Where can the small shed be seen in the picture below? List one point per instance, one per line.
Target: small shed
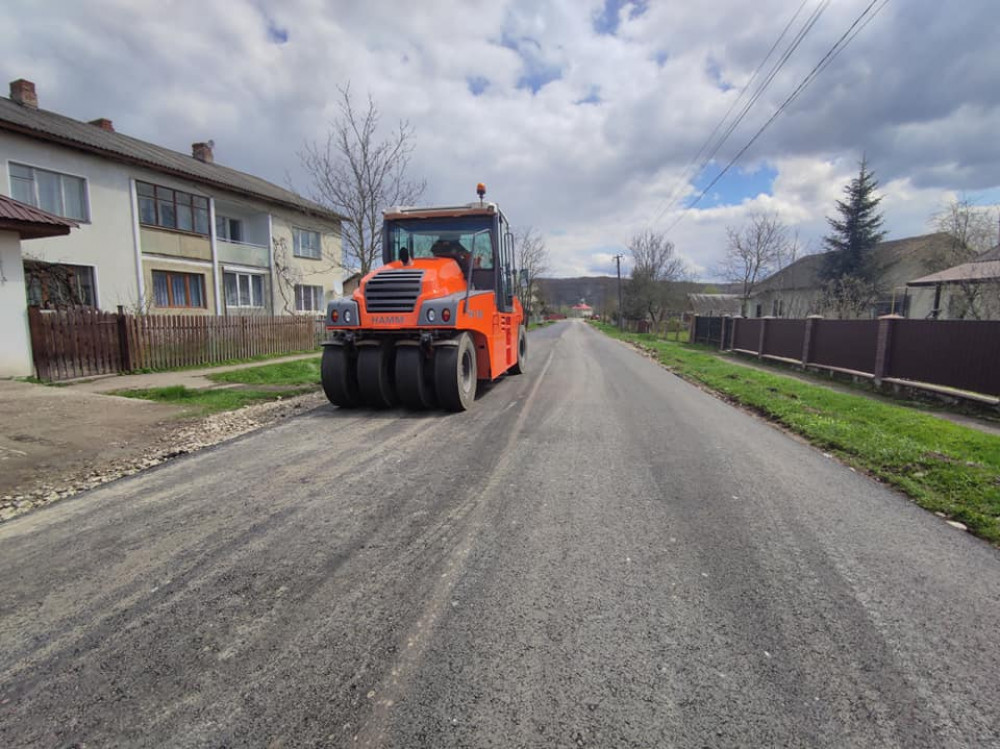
(19, 222)
(714, 305)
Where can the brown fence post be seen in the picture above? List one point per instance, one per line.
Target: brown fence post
(807, 338)
(124, 353)
(39, 348)
(763, 336)
(885, 325)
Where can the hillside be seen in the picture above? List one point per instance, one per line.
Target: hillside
(601, 292)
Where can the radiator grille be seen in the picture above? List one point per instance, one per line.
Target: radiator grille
(393, 290)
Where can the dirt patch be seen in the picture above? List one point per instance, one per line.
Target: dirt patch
(57, 442)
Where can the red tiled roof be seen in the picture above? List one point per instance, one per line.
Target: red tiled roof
(31, 222)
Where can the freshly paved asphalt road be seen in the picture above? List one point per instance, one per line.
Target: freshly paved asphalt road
(598, 554)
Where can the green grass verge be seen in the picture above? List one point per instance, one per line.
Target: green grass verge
(226, 363)
(201, 402)
(299, 372)
(943, 466)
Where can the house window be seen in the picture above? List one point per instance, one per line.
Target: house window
(56, 193)
(57, 285)
(229, 229)
(308, 298)
(307, 244)
(244, 290)
(172, 289)
(172, 209)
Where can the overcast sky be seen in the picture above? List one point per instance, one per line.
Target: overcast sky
(580, 116)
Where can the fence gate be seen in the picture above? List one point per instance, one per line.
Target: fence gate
(74, 343)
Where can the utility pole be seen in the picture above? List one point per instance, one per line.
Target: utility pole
(621, 312)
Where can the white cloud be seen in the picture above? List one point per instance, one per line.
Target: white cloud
(586, 175)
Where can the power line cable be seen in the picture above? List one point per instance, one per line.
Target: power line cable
(686, 175)
(718, 126)
(853, 30)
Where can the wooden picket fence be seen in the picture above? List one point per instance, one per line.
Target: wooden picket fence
(67, 344)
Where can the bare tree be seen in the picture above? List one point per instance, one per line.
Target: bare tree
(357, 174)
(532, 259)
(971, 230)
(849, 297)
(654, 264)
(756, 250)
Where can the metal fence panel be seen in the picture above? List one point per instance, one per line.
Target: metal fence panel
(962, 354)
(784, 338)
(845, 344)
(747, 334)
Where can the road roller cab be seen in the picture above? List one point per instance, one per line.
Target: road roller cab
(438, 316)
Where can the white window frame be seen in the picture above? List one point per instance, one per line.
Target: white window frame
(313, 253)
(227, 222)
(254, 303)
(62, 189)
(317, 298)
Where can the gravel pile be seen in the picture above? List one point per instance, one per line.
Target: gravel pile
(172, 440)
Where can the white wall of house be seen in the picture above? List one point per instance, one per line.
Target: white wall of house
(15, 343)
(325, 272)
(105, 242)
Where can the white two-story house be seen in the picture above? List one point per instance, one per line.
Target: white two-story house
(160, 231)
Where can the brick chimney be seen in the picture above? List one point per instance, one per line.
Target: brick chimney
(104, 123)
(23, 92)
(203, 152)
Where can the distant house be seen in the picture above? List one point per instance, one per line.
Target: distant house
(714, 305)
(161, 231)
(969, 290)
(19, 222)
(796, 290)
(582, 310)
(351, 284)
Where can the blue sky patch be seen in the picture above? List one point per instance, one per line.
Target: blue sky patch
(477, 84)
(594, 97)
(714, 71)
(607, 19)
(738, 185)
(537, 76)
(275, 33)
(537, 71)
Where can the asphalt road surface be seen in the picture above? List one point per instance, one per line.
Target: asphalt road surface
(597, 554)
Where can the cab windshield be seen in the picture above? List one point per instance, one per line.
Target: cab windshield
(460, 239)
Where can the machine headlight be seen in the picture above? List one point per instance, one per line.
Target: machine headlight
(347, 316)
(430, 315)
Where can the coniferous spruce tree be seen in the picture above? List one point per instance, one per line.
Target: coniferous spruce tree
(856, 232)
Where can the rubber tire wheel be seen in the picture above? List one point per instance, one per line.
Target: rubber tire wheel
(521, 365)
(375, 375)
(339, 374)
(412, 383)
(455, 374)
